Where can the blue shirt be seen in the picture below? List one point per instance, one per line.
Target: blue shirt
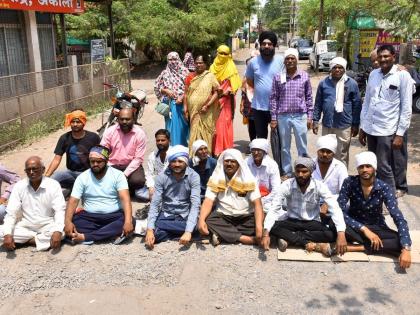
(176, 198)
(205, 175)
(325, 105)
(100, 196)
(369, 211)
(262, 73)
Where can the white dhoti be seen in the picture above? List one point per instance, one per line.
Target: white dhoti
(24, 231)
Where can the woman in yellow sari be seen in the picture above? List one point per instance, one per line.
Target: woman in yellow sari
(227, 75)
(200, 103)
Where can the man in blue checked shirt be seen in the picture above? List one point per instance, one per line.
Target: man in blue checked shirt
(176, 202)
(364, 218)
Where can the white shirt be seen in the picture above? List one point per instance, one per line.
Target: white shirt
(230, 203)
(305, 206)
(267, 175)
(38, 208)
(336, 174)
(387, 107)
(154, 167)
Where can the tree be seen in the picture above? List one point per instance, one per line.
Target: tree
(276, 15)
(159, 26)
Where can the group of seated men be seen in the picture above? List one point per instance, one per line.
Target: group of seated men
(229, 200)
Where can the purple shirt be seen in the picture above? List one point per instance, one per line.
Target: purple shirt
(10, 178)
(293, 96)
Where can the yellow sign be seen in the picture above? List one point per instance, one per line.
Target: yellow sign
(368, 41)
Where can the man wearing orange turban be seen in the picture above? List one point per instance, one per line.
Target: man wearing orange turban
(76, 143)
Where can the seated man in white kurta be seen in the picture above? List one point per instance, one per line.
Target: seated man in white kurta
(40, 203)
(266, 171)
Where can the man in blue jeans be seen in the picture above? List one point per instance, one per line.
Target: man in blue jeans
(259, 75)
(291, 108)
(176, 202)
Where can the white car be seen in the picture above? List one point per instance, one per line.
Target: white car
(326, 50)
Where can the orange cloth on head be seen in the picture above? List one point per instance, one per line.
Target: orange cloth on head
(77, 114)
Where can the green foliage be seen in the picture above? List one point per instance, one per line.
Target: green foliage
(405, 16)
(276, 15)
(164, 25)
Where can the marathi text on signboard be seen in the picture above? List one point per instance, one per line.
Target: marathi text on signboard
(371, 39)
(97, 50)
(52, 6)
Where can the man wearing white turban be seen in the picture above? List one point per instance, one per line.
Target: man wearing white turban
(338, 102)
(291, 108)
(266, 171)
(328, 169)
(176, 202)
(238, 214)
(202, 163)
(364, 217)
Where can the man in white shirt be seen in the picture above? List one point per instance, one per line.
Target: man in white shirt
(157, 159)
(386, 114)
(328, 169)
(238, 214)
(303, 226)
(266, 171)
(40, 203)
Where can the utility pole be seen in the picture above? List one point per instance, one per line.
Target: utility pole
(111, 28)
(321, 20)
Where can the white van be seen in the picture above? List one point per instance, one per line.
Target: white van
(327, 50)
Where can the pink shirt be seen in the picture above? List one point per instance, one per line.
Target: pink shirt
(126, 148)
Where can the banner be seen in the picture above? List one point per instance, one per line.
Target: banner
(52, 6)
(368, 41)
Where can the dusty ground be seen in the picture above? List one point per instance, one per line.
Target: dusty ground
(229, 279)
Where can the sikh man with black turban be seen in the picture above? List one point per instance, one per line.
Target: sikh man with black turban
(259, 75)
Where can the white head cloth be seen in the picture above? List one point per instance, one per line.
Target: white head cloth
(339, 88)
(291, 51)
(328, 142)
(260, 143)
(178, 152)
(366, 158)
(197, 144)
(242, 182)
(288, 52)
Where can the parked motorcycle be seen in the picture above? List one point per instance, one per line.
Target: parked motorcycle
(361, 77)
(136, 100)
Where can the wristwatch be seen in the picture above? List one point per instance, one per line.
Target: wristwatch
(407, 247)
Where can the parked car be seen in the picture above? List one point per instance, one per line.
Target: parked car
(304, 47)
(293, 41)
(326, 50)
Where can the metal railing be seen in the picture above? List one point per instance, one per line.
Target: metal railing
(28, 98)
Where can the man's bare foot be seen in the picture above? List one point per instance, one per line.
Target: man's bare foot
(78, 237)
(31, 242)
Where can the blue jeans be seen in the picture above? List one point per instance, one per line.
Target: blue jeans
(287, 122)
(66, 178)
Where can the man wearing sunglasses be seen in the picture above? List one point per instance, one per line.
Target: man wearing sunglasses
(39, 202)
(259, 75)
